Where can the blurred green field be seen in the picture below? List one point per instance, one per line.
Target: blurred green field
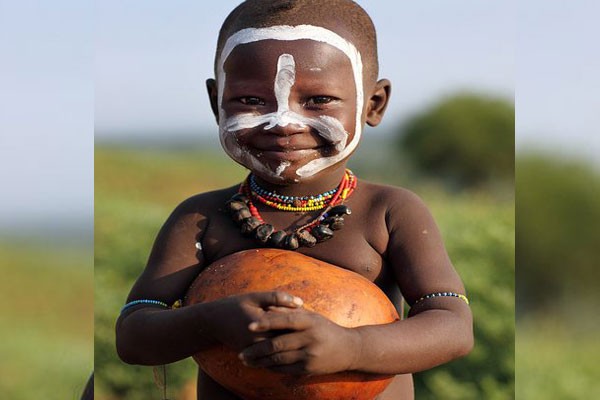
(137, 189)
(555, 361)
(46, 320)
(558, 237)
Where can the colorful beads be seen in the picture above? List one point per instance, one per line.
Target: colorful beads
(290, 203)
(299, 203)
(143, 301)
(246, 215)
(443, 294)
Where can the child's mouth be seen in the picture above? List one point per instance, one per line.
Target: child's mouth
(288, 154)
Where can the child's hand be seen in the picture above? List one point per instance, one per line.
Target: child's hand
(228, 318)
(315, 346)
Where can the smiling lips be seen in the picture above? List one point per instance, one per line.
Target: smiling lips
(285, 148)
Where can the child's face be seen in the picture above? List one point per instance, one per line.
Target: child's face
(288, 108)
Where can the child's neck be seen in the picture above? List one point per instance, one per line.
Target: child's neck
(325, 181)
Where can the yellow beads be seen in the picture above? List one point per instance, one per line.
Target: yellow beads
(287, 207)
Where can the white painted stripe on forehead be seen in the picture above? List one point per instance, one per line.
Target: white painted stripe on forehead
(298, 32)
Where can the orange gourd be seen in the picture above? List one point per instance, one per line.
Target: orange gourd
(343, 296)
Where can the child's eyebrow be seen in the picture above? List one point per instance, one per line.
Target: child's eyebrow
(247, 84)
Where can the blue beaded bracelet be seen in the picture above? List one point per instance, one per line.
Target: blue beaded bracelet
(136, 302)
(443, 294)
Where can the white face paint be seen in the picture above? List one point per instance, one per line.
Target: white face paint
(331, 129)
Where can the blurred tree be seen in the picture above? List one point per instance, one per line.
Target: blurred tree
(558, 234)
(466, 139)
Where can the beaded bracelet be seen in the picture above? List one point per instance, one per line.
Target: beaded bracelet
(136, 302)
(443, 294)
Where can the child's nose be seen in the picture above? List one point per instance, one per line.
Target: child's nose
(289, 129)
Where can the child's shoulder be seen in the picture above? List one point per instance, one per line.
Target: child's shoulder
(390, 197)
(205, 203)
(396, 206)
(195, 211)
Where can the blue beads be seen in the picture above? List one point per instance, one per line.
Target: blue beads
(143, 301)
(288, 199)
(443, 294)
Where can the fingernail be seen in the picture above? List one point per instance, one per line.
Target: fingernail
(253, 326)
(298, 301)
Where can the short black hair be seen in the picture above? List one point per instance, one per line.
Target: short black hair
(344, 17)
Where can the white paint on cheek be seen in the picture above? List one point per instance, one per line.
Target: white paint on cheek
(332, 130)
(245, 121)
(282, 167)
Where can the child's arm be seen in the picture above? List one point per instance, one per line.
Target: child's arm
(151, 335)
(438, 330)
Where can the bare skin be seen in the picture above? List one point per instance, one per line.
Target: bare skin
(390, 238)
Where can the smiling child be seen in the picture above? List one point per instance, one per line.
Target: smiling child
(295, 83)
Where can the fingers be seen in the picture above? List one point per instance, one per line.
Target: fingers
(282, 321)
(298, 368)
(287, 361)
(280, 309)
(281, 351)
(277, 299)
(285, 354)
(276, 345)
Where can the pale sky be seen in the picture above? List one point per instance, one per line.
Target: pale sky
(138, 67)
(151, 63)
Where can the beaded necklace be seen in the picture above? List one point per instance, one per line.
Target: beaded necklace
(246, 215)
(290, 203)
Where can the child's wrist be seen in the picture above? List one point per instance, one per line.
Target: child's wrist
(355, 347)
(202, 316)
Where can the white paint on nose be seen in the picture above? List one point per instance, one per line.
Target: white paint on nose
(284, 80)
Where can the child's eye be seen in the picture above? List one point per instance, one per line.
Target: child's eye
(319, 101)
(252, 101)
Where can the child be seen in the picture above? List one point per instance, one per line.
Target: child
(296, 81)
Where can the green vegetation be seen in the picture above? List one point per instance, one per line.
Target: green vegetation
(466, 139)
(557, 241)
(46, 315)
(558, 232)
(555, 361)
(136, 190)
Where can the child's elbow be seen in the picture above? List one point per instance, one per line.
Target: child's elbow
(126, 345)
(464, 345)
(129, 354)
(124, 351)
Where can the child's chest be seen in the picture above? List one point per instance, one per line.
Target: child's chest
(350, 247)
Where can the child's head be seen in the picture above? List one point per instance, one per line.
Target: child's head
(296, 81)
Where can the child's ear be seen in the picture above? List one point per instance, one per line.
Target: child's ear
(211, 87)
(378, 102)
